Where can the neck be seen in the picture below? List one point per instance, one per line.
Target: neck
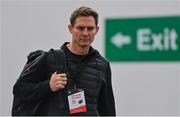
(78, 49)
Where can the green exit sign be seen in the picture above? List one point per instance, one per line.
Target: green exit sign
(143, 39)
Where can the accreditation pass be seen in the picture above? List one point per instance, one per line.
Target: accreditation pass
(76, 100)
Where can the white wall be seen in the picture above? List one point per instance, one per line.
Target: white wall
(140, 88)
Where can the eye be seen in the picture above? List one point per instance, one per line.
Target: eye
(90, 28)
(80, 28)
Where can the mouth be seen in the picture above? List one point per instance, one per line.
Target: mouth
(85, 39)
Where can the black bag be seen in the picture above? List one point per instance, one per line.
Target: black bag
(36, 58)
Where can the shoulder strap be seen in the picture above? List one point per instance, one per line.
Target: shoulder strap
(59, 60)
(61, 65)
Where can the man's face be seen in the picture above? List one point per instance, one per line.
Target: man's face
(83, 31)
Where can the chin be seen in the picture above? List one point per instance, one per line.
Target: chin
(85, 44)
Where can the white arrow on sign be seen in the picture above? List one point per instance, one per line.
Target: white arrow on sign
(119, 40)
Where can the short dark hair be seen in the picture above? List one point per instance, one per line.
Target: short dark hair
(83, 11)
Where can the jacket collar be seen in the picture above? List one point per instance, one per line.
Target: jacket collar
(92, 52)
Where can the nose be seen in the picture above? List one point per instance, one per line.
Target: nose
(85, 32)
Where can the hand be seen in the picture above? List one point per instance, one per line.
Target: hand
(57, 81)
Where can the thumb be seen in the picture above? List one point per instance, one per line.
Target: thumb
(54, 73)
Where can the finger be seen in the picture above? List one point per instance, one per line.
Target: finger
(61, 86)
(63, 82)
(57, 75)
(53, 76)
(59, 79)
(56, 79)
(64, 79)
(54, 73)
(63, 75)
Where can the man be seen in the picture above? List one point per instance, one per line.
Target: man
(85, 88)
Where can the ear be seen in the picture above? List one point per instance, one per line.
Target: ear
(70, 28)
(97, 29)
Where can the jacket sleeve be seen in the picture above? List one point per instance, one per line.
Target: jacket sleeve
(106, 103)
(32, 84)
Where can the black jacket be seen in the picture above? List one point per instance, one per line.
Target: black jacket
(91, 73)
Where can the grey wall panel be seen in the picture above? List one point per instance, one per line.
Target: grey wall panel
(0, 57)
